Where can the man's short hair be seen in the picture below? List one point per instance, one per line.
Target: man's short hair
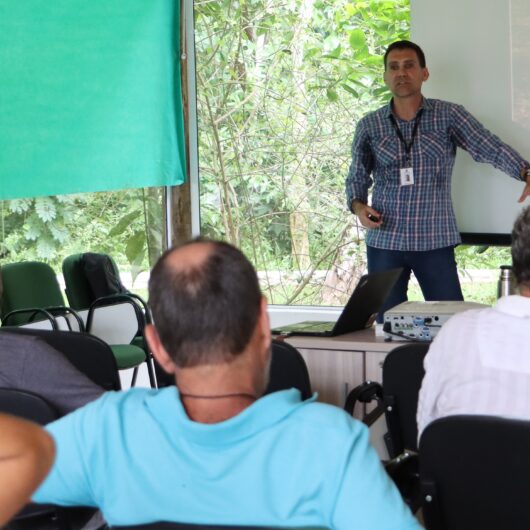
(205, 313)
(406, 45)
(521, 248)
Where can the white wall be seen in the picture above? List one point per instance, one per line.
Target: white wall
(478, 54)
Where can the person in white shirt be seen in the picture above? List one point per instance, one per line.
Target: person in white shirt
(479, 363)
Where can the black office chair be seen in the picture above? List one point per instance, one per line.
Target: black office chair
(92, 281)
(27, 405)
(288, 370)
(87, 353)
(397, 398)
(32, 407)
(474, 473)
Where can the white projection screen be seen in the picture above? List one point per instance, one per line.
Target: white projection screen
(478, 55)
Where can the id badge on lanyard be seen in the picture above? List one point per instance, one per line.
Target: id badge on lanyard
(406, 176)
(406, 173)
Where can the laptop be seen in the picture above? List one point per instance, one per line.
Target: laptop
(360, 311)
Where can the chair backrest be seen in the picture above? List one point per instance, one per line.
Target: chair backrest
(27, 405)
(474, 473)
(288, 370)
(29, 284)
(76, 284)
(80, 289)
(87, 353)
(402, 376)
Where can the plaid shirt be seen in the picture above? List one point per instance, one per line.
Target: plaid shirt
(419, 216)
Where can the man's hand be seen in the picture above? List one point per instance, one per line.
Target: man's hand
(363, 211)
(526, 191)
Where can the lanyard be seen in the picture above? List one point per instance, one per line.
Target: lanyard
(407, 145)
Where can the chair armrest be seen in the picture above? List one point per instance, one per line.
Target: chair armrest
(115, 299)
(64, 311)
(404, 472)
(35, 311)
(143, 305)
(365, 393)
(116, 319)
(430, 503)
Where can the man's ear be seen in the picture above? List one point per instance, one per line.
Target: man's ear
(158, 350)
(425, 74)
(264, 323)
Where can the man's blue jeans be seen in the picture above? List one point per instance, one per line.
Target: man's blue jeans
(435, 271)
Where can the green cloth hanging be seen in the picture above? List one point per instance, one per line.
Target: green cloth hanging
(90, 96)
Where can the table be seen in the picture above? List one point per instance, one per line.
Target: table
(338, 364)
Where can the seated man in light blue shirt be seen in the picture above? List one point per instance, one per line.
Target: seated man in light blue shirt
(212, 450)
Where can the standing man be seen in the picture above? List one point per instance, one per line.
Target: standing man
(407, 150)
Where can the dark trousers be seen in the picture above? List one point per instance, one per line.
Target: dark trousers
(435, 271)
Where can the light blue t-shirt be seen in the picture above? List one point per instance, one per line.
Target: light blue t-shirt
(281, 462)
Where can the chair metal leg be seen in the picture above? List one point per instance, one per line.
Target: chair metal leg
(151, 371)
(135, 376)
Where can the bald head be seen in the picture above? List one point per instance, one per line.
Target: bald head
(205, 299)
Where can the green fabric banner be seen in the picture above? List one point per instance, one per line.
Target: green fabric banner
(90, 96)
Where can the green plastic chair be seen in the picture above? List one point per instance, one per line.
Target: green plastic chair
(81, 297)
(31, 292)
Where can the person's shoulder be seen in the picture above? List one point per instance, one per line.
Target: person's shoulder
(124, 403)
(464, 322)
(126, 400)
(440, 103)
(468, 316)
(452, 109)
(327, 419)
(107, 417)
(443, 106)
(374, 115)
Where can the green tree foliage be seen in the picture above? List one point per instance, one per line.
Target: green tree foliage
(126, 224)
(281, 85)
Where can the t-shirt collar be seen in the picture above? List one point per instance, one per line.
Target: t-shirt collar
(168, 411)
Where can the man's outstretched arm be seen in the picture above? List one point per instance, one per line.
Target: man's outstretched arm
(525, 175)
(26, 455)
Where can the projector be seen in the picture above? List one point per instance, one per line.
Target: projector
(421, 321)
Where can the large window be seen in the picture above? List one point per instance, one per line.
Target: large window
(127, 224)
(281, 85)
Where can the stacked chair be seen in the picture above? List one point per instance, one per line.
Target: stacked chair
(32, 298)
(92, 283)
